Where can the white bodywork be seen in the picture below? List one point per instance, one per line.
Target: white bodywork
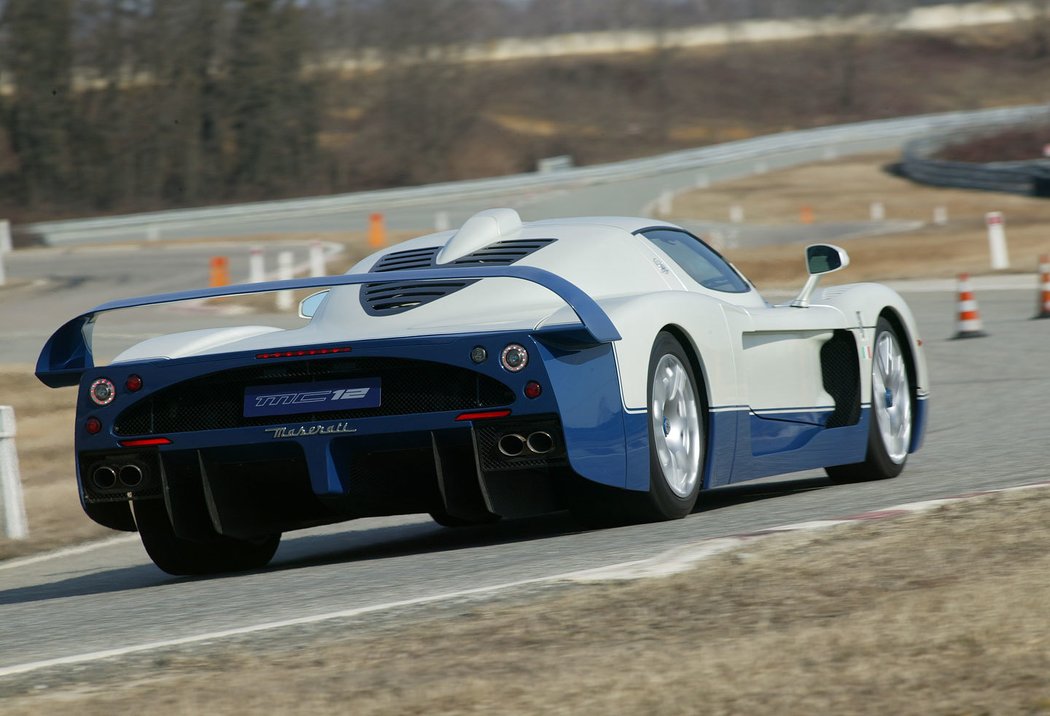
(753, 354)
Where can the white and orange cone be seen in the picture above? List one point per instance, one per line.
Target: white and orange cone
(1043, 309)
(968, 324)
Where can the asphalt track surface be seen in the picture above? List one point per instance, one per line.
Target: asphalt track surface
(49, 286)
(989, 429)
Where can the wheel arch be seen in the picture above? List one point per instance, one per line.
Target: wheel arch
(914, 364)
(695, 361)
(697, 364)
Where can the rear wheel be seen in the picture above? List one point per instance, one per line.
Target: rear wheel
(179, 556)
(889, 434)
(676, 434)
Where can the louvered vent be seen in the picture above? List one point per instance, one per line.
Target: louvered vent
(387, 299)
(407, 260)
(502, 253)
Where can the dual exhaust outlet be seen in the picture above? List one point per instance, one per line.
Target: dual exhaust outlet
(515, 445)
(107, 477)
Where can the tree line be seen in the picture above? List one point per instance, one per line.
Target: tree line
(120, 105)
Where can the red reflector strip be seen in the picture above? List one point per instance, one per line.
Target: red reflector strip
(305, 352)
(486, 415)
(145, 442)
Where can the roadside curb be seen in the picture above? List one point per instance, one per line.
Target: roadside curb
(681, 559)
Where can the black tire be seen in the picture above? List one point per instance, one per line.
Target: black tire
(673, 487)
(878, 463)
(181, 557)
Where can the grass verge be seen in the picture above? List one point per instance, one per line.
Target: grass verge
(910, 615)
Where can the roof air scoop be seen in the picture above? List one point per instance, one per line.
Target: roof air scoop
(484, 228)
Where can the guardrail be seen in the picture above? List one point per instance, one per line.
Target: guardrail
(845, 139)
(1031, 178)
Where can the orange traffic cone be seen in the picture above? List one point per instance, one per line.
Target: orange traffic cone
(968, 324)
(1043, 309)
(220, 272)
(376, 231)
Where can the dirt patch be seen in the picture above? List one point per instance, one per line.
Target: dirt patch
(910, 615)
(843, 191)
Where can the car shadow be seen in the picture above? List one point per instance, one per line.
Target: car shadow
(390, 542)
(730, 495)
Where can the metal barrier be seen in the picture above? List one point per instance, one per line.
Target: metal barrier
(1031, 178)
(845, 139)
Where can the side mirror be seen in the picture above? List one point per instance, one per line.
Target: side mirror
(820, 259)
(309, 305)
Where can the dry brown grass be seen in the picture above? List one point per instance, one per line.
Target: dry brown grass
(909, 616)
(842, 191)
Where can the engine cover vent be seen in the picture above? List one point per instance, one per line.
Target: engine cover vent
(387, 299)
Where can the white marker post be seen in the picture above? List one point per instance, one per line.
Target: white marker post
(317, 267)
(5, 247)
(12, 507)
(665, 203)
(997, 240)
(285, 299)
(441, 221)
(878, 211)
(940, 215)
(736, 214)
(153, 234)
(256, 265)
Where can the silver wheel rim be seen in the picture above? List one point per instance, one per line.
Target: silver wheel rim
(676, 425)
(891, 397)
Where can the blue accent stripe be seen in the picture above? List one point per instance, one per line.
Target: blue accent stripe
(67, 353)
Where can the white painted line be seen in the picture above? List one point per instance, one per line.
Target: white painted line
(267, 626)
(68, 552)
(672, 561)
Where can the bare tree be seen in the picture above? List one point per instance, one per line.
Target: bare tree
(38, 56)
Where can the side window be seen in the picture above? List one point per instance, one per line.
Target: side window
(703, 264)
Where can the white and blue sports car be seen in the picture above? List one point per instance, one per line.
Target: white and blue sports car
(613, 366)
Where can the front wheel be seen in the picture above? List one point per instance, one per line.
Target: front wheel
(179, 556)
(889, 434)
(676, 434)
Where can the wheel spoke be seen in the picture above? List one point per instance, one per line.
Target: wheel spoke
(676, 425)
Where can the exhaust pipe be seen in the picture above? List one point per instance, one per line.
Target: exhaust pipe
(540, 442)
(511, 445)
(130, 475)
(104, 477)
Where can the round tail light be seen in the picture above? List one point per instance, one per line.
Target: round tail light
(102, 391)
(514, 357)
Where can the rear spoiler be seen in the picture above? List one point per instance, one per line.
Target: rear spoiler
(67, 353)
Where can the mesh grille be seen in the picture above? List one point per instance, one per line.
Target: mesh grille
(215, 401)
